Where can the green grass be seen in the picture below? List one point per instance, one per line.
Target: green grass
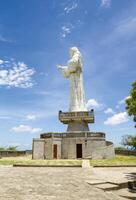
(26, 160)
(29, 161)
(118, 160)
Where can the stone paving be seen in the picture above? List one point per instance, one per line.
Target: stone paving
(57, 183)
(86, 164)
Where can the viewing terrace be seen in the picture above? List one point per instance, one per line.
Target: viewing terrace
(86, 116)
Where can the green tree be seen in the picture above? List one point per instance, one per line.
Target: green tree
(120, 148)
(131, 102)
(129, 141)
(12, 148)
(2, 149)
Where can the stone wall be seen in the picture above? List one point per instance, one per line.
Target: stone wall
(38, 149)
(12, 153)
(48, 148)
(125, 152)
(94, 146)
(106, 152)
(88, 146)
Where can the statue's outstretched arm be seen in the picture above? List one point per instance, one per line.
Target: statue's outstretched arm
(61, 67)
(64, 70)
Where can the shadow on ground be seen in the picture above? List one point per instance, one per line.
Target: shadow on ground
(131, 176)
(132, 198)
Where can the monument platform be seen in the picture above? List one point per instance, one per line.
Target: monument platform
(67, 117)
(93, 135)
(72, 145)
(77, 121)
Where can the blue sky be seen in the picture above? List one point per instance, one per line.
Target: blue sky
(35, 36)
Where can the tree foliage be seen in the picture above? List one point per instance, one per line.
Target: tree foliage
(2, 149)
(129, 141)
(131, 102)
(120, 148)
(10, 148)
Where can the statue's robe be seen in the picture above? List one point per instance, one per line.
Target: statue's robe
(74, 72)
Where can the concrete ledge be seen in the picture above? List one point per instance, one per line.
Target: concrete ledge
(114, 165)
(32, 165)
(72, 134)
(67, 117)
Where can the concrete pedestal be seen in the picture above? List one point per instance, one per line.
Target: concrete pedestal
(72, 145)
(77, 126)
(77, 121)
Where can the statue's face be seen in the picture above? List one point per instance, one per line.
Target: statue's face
(72, 51)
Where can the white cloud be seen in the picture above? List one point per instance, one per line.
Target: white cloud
(44, 93)
(105, 3)
(127, 97)
(69, 9)
(1, 62)
(124, 28)
(109, 110)
(19, 75)
(44, 74)
(3, 39)
(65, 31)
(92, 103)
(25, 129)
(4, 117)
(30, 117)
(123, 100)
(118, 118)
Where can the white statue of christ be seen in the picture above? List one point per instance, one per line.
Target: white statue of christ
(73, 71)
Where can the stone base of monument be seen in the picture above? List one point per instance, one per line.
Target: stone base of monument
(77, 143)
(72, 145)
(77, 121)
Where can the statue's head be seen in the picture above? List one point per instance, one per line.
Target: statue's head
(73, 50)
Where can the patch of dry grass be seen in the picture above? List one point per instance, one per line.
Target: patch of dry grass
(118, 160)
(27, 160)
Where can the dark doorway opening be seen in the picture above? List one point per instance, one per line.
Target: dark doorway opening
(79, 150)
(55, 151)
